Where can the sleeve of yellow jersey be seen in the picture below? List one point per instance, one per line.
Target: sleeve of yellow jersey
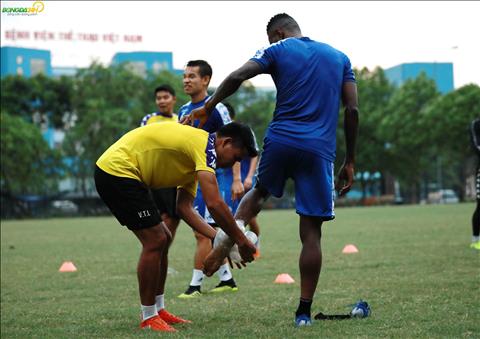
(205, 159)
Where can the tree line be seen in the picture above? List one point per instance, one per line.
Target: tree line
(411, 133)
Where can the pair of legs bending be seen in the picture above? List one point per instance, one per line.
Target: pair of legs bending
(314, 192)
(131, 203)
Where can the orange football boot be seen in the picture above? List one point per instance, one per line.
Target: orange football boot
(170, 318)
(157, 324)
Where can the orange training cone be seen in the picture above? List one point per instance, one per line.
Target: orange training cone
(67, 266)
(284, 278)
(350, 249)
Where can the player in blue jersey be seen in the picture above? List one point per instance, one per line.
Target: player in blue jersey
(311, 78)
(196, 78)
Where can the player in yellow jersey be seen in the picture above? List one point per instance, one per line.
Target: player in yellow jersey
(165, 100)
(169, 155)
(165, 198)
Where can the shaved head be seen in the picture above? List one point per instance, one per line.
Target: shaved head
(283, 21)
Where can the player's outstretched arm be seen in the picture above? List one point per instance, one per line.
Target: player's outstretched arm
(186, 211)
(226, 88)
(232, 82)
(350, 125)
(222, 215)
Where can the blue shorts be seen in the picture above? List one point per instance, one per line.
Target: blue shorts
(312, 174)
(224, 184)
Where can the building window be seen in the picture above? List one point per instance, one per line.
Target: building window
(19, 71)
(138, 68)
(159, 66)
(19, 60)
(37, 66)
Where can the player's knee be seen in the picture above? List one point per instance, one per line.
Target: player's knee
(261, 191)
(158, 242)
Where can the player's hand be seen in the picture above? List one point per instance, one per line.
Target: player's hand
(200, 114)
(247, 250)
(237, 190)
(185, 120)
(239, 265)
(345, 179)
(247, 184)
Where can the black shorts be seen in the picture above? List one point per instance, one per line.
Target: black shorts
(129, 200)
(166, 201)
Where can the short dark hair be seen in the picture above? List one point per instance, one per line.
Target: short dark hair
(241, 135)
(203, 66)
(164, 88)
(282, 20)
(231, 110)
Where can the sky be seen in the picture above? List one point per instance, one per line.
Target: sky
(228, 33)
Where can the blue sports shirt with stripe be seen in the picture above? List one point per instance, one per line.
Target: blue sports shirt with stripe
(308, 76)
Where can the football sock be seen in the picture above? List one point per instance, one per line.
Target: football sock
(304, 307)
(475, 238)
(197, 278)
(224, 273)
(149, 311)
(160, 302)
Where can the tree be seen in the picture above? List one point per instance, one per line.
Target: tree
(450, 117)
(374, 93)
(17, 96)
(28, 165)
(91, 136)
(405, 129)
(108, 102)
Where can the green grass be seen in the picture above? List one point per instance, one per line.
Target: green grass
(414, 267)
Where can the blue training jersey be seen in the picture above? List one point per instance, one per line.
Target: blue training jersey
(308, 76)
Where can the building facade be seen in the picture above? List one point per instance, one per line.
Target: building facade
(26, 62)
(141, 63)
(440, 72)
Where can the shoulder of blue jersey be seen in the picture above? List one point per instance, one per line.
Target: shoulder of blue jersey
(259, 54)
(223, 112)
(184, 110)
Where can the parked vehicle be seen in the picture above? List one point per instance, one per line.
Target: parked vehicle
(445, 196)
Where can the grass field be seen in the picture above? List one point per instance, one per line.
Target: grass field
(414, 267)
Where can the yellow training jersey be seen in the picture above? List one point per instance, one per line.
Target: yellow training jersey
(162, 155)
(157, 117)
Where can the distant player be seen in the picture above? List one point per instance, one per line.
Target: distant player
(311, 79)
(248, 169)
(169, 155)
(196, 78)
(475, 135)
